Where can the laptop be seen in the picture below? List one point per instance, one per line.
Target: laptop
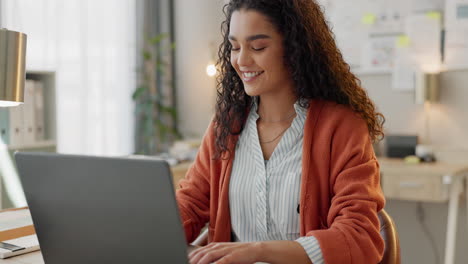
(102, 210)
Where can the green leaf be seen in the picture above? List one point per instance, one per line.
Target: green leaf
(147, 55)
(161, 68)
(169, 110)
(139, 92)
(156, 39)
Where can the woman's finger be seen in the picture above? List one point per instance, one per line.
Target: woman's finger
(198, 254)
(227, 259)
(214, 255)
(200, 249)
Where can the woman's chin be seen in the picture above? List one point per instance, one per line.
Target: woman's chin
(252, 91)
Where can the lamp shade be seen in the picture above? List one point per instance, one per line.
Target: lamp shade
(427, 88)
(12, 64)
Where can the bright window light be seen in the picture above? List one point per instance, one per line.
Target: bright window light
(10, 178)
(8, 103)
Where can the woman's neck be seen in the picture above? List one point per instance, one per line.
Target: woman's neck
(276, 108)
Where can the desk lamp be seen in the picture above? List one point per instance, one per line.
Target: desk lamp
(427, 88)
(12, 64)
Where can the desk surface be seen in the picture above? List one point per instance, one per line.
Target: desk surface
(444, 168)
(36, 258)
(29, 258)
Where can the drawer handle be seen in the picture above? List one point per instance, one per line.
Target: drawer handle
(411, 185)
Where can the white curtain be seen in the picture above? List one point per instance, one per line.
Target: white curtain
(90, 45)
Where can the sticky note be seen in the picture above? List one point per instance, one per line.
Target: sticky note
(368, 19)
(403, 41)
(434, 15)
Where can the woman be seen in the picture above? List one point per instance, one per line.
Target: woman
(286, 172)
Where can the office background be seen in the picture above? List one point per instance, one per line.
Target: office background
(93, 49)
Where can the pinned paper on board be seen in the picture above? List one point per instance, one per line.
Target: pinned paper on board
(417, 25)
(349, 31)
(389, 16)
(404, 71)
(424, 31)
(379, 53)
(418, 6)
(456, 13)
(456, 36)
(462, 11)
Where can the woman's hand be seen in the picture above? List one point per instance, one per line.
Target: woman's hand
(274, 252)
(226, 253)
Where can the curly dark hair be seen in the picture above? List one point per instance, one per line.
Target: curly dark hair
(316, 64)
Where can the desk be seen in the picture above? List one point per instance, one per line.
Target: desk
(29, 258)
(179, 171)
(35, 258)
(432, 182)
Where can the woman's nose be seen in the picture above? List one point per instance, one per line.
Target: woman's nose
(244, 58)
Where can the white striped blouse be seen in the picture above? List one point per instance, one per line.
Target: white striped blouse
(264, 195)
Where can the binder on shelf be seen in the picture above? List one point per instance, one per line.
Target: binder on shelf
(29, 136)
(24, 126)
(4, 125)
(39, 111)
(16, 125)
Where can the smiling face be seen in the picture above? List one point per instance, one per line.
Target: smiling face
(257, 54)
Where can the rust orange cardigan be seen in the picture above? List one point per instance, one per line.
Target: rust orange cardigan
(340, 188)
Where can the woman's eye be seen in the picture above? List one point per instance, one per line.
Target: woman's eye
(258, 49)
(235, 49)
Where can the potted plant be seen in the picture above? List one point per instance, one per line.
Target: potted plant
(156, 115)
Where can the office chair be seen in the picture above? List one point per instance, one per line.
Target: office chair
(390, 236)
(387, 231)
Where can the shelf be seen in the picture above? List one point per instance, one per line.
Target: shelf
(40, 71)
(41, 144)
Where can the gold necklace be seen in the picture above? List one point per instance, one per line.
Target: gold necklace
(281, 120)
(269, 141)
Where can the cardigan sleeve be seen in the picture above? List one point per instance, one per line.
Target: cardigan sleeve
(312, 248)
(356, 197)
(193, 196)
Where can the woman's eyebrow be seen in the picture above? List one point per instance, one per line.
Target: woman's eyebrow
(251, 38)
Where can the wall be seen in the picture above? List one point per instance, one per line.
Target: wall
(447, 118)
(448, 128)
(197, 36)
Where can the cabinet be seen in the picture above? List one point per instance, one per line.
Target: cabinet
(432, 182)
(415, 182)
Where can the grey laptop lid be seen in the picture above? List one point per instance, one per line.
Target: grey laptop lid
(102, 210)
